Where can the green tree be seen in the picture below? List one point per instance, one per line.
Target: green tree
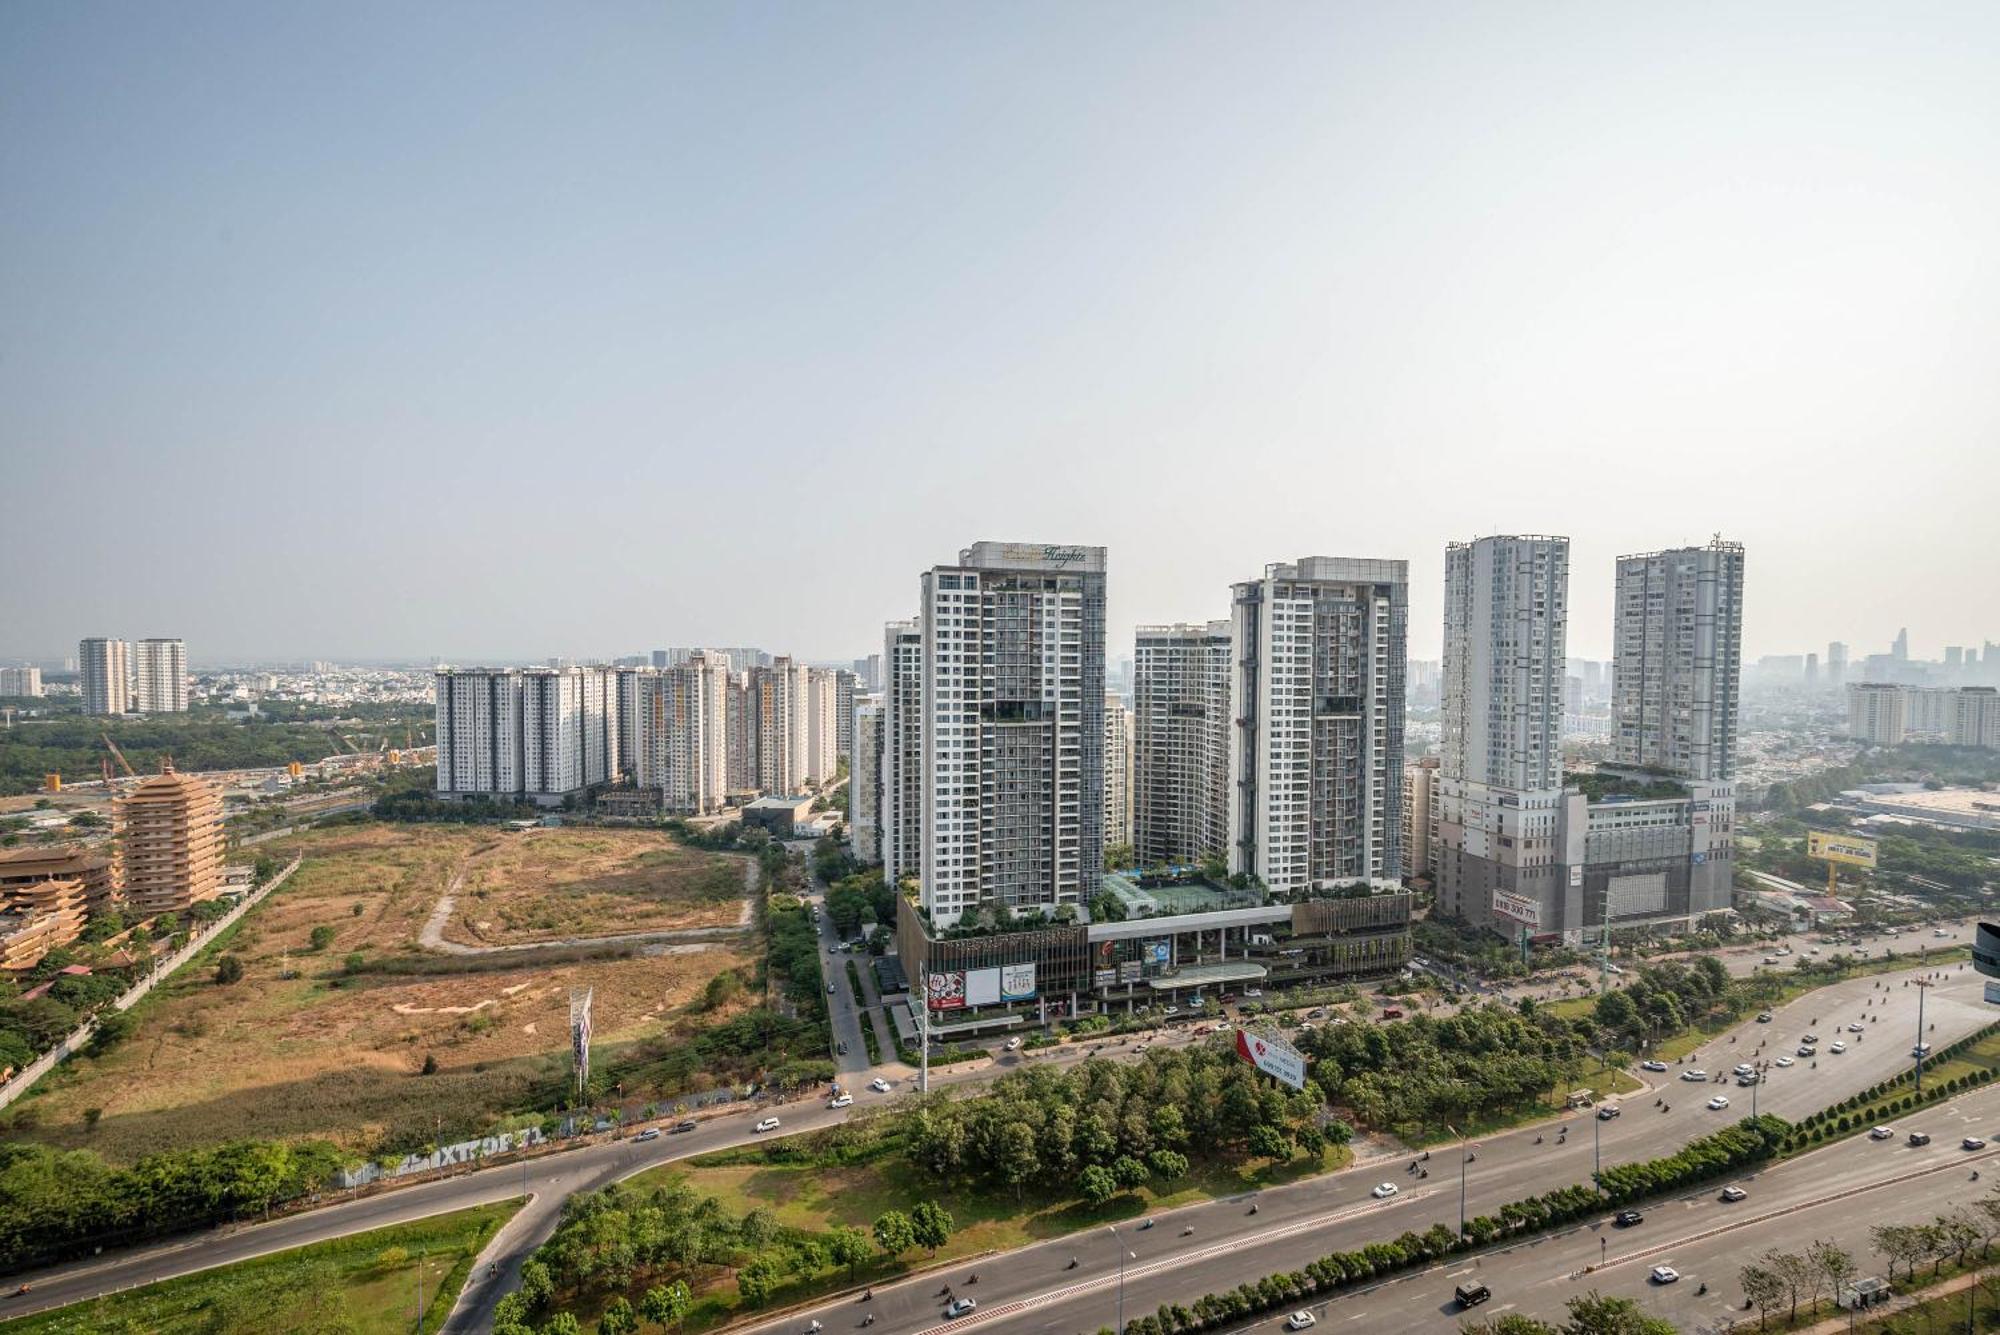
(1513, 1323)
(537, 1285)
(930, 1225)
(1168, 1165)
(1270, 1142)
(562, 1323)
(1763, 1288)
(321, 937)
(1129, 1172)
(756, 1280)
(1834, 1264)
(1018, 1160)
(849, 1246)
(1594, 1314)
(665, 1304)
(618, 1318)
(1097, 1184)
(228, 969)
(894, 1233)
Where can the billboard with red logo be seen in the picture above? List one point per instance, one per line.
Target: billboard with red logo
(1273, 1056)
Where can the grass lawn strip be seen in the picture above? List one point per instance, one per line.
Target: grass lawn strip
(364, 1282)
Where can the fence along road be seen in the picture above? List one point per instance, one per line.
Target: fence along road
(77, 1039)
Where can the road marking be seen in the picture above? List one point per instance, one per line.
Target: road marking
(1767, 1216)
(1174, 1262)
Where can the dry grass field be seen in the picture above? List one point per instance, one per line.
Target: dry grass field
(322, 1053)
(555, 884)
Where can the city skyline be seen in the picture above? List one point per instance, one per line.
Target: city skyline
(1155, 261)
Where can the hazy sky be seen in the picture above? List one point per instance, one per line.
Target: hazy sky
(514, 330)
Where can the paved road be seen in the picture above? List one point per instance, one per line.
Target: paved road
(844, 1009)
(1506, 1169)
(1837, 1193)
(1033, 1290)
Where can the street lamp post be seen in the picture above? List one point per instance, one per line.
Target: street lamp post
(1596, 1148)
(1119, 1329)
(1922, 987)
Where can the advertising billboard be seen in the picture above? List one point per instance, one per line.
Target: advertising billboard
(1273, 1056)
(982, 987)
(1017, 982)
(1159, 952)
(1851, 850)
(1519, 908)
(947, 990)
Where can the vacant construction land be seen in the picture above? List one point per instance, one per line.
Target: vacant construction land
(555, 884)
(307, 1043)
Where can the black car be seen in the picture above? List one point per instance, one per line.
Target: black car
(679, 1127)
(1627, 1218)
(1471, 1294)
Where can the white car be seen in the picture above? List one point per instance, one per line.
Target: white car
(1733, 1193)
(1665, 1274)
(1744, 1068)
(1718, 1103)
(1253, 993)
(1784, 1061)
(1837, 1046)
(1013, 1045)
(768, 1124)
(1300, 1320)
(879, 1085)
(1881, 1133)
(1384, 1192)
(1770, 959)
(960, 1306)
(1694, 1075)
(1653, 1066)
(841, 1101)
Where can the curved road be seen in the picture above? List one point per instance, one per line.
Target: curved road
(1506, 1168)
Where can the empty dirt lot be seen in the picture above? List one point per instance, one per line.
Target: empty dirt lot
(556, 884)
(302, 1047)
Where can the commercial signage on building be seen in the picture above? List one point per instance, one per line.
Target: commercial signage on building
(1130, 971)
(1159, 952)
(1518, 908)
(947, 990)
(1055, 556)
(1017, 982)
(1851, 849)
(1105, 977)
(1273, 1056)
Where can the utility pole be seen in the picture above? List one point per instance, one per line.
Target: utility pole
(1597, 1149)
(923, 1016)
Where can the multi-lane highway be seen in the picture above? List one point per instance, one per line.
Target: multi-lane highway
(1506, 1168)
(1220, 1244)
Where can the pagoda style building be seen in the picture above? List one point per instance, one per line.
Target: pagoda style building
(171, 829)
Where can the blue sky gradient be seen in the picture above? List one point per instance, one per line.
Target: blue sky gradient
(514, 330)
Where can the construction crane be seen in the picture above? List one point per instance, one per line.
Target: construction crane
(123, 763)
